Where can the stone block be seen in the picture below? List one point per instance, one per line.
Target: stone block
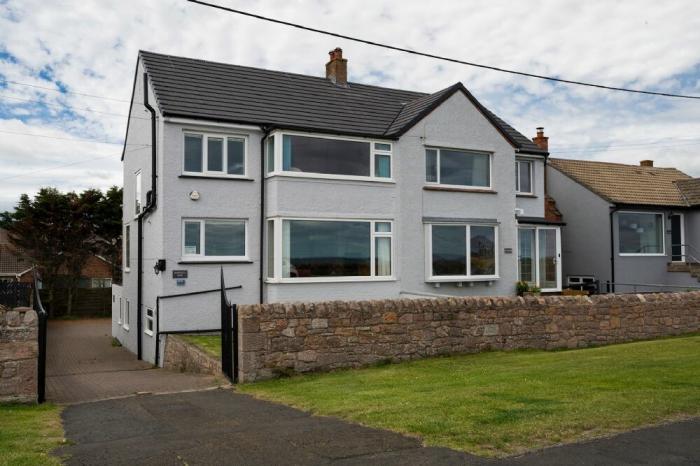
(319, 323)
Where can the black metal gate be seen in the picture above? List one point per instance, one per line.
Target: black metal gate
(229, 335)
(43, 317)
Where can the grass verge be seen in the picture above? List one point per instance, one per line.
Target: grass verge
(29, 433)
(505, 403)
(210, 344)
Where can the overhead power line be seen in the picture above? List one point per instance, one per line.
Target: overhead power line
(70, 108)
(440, 57)
(66, 91)
(96, 141)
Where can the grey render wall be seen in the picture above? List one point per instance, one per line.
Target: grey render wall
(585, 237)
(533, 206)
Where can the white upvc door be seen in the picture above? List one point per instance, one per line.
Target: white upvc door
(539, 254)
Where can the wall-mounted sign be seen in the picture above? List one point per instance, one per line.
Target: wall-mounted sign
(179, 273)
(508, 251)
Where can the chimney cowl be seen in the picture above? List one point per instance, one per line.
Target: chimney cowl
(337, 68)
(646, 163)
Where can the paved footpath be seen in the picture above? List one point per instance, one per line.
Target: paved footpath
(221, 427)
(82, 365)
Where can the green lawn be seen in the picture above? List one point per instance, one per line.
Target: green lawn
(503, 403)
(29, 433)
(210, 344)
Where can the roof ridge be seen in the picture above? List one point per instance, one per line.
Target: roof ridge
(601, 162)
(320, 78)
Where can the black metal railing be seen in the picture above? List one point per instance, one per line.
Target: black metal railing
(15, 294)
(229, 335)
(43, 317)
(612, 287)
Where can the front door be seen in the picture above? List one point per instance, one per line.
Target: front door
(677, 238)
(539, 253)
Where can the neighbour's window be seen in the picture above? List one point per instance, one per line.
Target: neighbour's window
(270, 148)
(463, 251)
(342, 157)
(100, 282)
(336, 248)
(270, 249)
(458, 168)
(127, 247)
(137, 194)
(127, 316)
(214, 238)
(215, 154)
(641, 233)
(148, 330)
(523, 176)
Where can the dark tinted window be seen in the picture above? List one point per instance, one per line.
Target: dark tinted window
(327, 156)
(449, 250)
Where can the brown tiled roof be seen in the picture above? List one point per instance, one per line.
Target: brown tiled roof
(690, 189)
(12, 261)
(626, 184)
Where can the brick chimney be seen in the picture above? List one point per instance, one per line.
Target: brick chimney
(646, 163)
(541, 140)
(337, 68)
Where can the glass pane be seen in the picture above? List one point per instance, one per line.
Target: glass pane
(236, 156)
(524, 169)
(270, 248)
(382, 166)
(327, 156)
(382, 227)
(193, 153)
(641, 233)
(464, 168)
(192, 238)
(483, 250)
(526, 255)
(270, 154)
(222, 238)
(548, 258)
(431, 166)
(215, 155)
(127, 247)
(449, 250)
(382, 251)
(382, 146)
(325, 248)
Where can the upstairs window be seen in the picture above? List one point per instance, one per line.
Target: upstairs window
(458, 168)
(523, 177)
(641, 233)
(215, 155)
(127, 247)
(330, 157)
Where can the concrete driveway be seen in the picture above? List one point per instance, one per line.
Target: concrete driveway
(221, 427)
(82, 365)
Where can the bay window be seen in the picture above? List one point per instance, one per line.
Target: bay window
(458, 168)
(523, 177)
(327, 250)
(641, 233)
(317, 156)
(461, 251)
(215, 155)
(214, 239)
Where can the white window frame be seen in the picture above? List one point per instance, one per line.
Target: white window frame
(202, 225)
(430, 278)
(456, 186)
(127, 316)
(121, 311)
(127, 248)
(531, 174)
(278, 240)
(642, 254)
(205, 154)
(279, 148)
(137, 193)
(148, 319)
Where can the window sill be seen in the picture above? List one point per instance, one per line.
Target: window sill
(125, 327)
(532, 196)
(321, 176)
(489, 278)
(214, 261)
(329, 280)
(217, 177)
(622, 254)
(148, 332)
(459, 190)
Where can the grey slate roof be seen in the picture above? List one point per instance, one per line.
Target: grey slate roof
(192, 88)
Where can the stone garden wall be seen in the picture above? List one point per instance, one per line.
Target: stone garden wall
(278, 339)
(182, 356)
(19, 349)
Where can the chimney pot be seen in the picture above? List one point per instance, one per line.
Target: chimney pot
(646, 163)
(541, 140)
(337, 68)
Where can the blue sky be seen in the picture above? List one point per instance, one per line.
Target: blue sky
(69, 51)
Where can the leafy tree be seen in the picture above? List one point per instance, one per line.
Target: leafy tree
(108, 228)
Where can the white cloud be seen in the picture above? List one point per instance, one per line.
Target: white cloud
(91, 47)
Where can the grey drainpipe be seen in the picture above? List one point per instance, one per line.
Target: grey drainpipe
(150, 206)
(612, 249)
(266, 129)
